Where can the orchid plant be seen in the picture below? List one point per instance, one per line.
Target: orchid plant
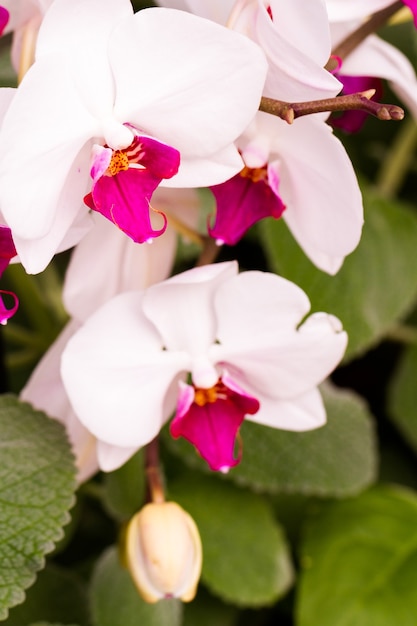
(207, 230)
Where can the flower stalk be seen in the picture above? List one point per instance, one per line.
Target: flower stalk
(289, 111)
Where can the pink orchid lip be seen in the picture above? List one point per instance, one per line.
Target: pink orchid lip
(4, 18)
(242, 201)
(412, 5)
(7, 252)
(210, 419)
(5, 313)
(124, 181)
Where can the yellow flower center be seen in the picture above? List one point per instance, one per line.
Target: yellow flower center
(256, 174)
(119, 161)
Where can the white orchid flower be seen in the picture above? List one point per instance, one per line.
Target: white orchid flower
(210, 346)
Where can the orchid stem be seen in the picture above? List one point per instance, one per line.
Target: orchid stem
(153, 472)
(209, 252)
(402, 334)
(361, 101)
(184, 230)
(377, 20)
(397, 163)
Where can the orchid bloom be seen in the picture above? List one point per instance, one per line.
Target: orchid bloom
(122, 96)
(301, 172)
(211, 346)
(372, 60)
(116, 264)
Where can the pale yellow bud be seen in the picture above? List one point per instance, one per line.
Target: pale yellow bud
(163, 552)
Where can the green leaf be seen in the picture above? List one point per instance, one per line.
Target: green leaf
(115, 601)
(245, 555)
(377, 284)
(48, 624)
(360, 562)
(124, 489)
(337, 460)
(206, 610)
(37, 483)
(402, 397)
(57, 596)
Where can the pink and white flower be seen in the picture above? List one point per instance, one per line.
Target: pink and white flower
(145, 100)
(7, 252)
(210, 346)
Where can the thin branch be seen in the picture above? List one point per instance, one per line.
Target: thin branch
(153, 472)
(376, 20)
(289, 111)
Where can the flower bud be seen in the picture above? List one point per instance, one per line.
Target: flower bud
(163, 552)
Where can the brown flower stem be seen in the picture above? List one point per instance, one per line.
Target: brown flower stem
(352, 41)
(289, 111)
(209, 252)
(153, 472)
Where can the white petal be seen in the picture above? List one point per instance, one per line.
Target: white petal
(182, 307)
(112, 457)
(115, 264)
(296, 63)
(289, 363)
(178, 90)
(81, 30)
(43, 132)
(318, 185)
(203, 172)
(342, 10)
(253, 307)
(122, 399)
(304, 412)
(70, 222)
(376, 57)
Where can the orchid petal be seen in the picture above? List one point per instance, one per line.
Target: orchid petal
(375, 57)
(122, 400)
(241, 202)
(112, 457)
(253, 307)
(203, 172)
(304, 412)
(7, 247)
(82, 32)
(325, 212)
(42, 139)
(125, 266)
(69, 224)
(5, 312)
(4, 18)
(182, 307)
(212, 428)
(125, 200)
(179, 108)
(296, 74)
(288, 364)
(343, 10)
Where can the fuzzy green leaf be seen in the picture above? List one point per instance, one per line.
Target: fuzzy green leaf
(402, 397)
(360, 562)
(245, 555)
(37, 483)
(115, 601)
